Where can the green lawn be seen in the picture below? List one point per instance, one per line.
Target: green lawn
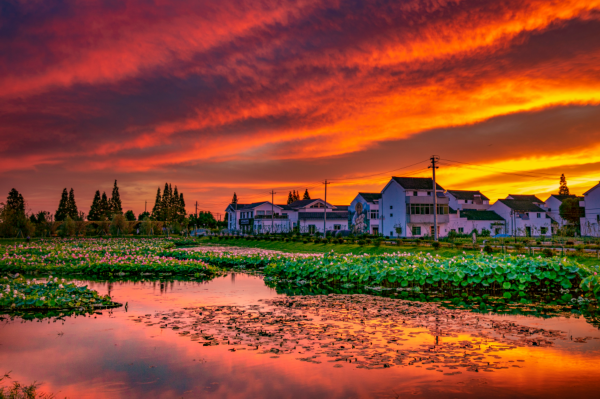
(356, 249)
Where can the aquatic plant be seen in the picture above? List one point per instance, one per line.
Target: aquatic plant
(20, 294)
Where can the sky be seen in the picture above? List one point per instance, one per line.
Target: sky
(249, 97)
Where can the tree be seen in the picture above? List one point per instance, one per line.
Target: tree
(182, 213)
(143, 216)
(571, 211)
(63, 207)
(130, 216)
(290, 198)
(234, 200)
(72, 206)
(563, 190)
(15, 202)
(96, 213)
(166, 203)
(105, 207)
(306, 195)
(115, 201)
(157, 209)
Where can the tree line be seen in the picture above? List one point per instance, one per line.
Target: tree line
(169, 208)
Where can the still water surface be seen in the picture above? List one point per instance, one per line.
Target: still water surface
(110, 356)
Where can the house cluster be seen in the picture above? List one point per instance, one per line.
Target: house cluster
(405, 208)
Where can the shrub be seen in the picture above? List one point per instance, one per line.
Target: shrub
(570, 243)
(377, 243)
(547, 252)
(435, 245)
(368, 240)
(361, 242)
(488, 249)
(305, 241)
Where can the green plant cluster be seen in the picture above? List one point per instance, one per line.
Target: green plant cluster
(514, 274)
(20, 294)
(110, 257)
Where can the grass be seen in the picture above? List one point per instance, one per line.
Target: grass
(356, 249)
(18, 391)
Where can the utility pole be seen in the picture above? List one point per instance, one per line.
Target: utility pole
(434, 159)
(196, 209)
(272, 215)
(145, 206)
(325, 211)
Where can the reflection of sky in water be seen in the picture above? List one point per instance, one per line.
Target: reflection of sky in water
(110, 356)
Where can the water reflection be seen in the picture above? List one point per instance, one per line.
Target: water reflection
(109, 355)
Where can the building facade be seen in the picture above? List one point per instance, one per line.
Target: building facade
(363, 214)
(524, 218)
(590, 221)
(465, 199)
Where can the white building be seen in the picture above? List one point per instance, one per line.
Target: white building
(590, 222)
(363, 213)
(466, 220)
(552, 206)
(465, 199)
(406, 207)
(305, 216)
(523, 217)
(258, 217)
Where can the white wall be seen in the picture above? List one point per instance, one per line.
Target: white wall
(518, 226)
(393, 195)
(590, 226)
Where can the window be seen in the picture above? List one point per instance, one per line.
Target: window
(539, 215)
(375, 214)
(311, 228)
(337, 226)
(429, 193)
(461, 230)
(414, 193)
(544, 230)
(598, 218)
(375, 230)
(260, 213)
(391, 207)
(549, 209)
(391, 215)
(426, 209)
(416, 230)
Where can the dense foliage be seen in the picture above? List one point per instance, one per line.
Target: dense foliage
(99, 257)
(20, 294)
(514, 274)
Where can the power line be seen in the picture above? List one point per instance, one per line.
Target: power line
(382, 173)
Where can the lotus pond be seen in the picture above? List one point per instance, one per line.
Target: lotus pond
(224, 322)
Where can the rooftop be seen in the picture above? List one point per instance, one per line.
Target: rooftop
(472, 214)
(319, 215)
(523, 206)
(467, 194)
(371, 197)
(416, 183)
(525, 197)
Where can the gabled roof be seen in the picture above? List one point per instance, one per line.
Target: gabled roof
(523, 206)
(341, 207)
(319, 215)
(473, 214)
(591, 189)
(467, 194)
(285, 207)
(525, 197)
(304, 203)
(243, 207)
(370, 197)
(561, 198)
(416, 183)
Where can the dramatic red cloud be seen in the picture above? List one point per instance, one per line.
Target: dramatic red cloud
(235, 96)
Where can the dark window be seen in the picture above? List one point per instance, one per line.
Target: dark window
(391, 215)
(414, 193)
(391, 207)
(416, 230)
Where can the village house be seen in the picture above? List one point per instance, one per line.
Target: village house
(590, 221)
(406, 207)
(552, 207)
(363, 213)
(466, 221)
(466, 199)
(259, 216)
(524, 216)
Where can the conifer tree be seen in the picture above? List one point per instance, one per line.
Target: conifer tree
(234, 200)
(166, 203)
(15, 202)
(115, 200)
(63, 207)
(95, 210)
(175, 205)
(296, 196)
(306, 195)
(290, 198)
(563, 190)
(72, 206)
(105, 207)
(157, 209)
(182, 211)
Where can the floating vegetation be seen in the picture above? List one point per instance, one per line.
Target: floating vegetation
(360, 331)
(19, 296)
(106, 257)
(16, 390)
(514, 274)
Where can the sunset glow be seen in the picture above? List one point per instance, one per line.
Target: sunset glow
(250, 97)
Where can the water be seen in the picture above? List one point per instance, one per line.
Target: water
(113, 355)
